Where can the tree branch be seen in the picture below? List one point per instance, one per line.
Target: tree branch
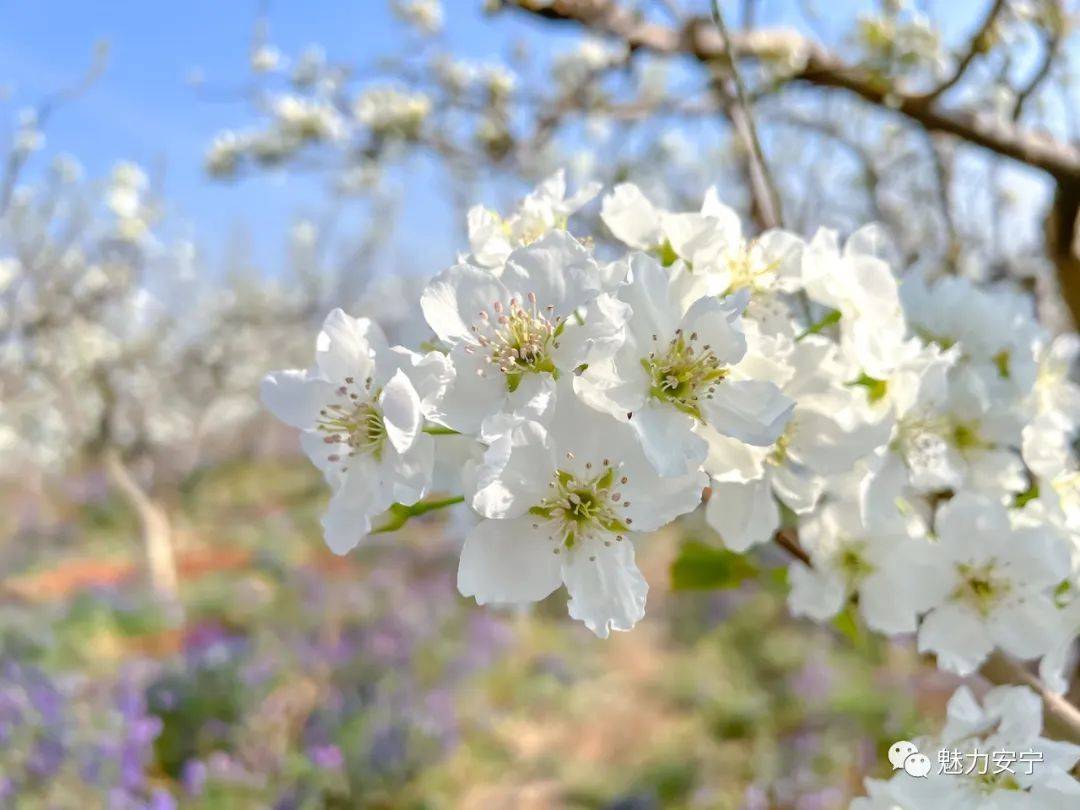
(1050, 53)
(17, 158)
(742, 119)
(813, 65)
(978, 44)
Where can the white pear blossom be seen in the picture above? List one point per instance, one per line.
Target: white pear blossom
(639, 224)
(988, 757)
(857, 283)
(720, 259)
(672, 376)
(991, 585)
(392, 112)
(224, 154)
(919, 444)
(994, 329)
(564, 504)
(711, 240)
(827, 433)
(514, 335)
(361, 412)
(573, 69)
(492, 238)
(265, 59)
(885, 569)
(425, 15)
(950, 433)
(1055, 395)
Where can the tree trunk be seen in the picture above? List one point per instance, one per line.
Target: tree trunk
(153, 526)
(1061, 244)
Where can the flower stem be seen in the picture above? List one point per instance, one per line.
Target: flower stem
(399, 514)
(439, 430)
(831, 317)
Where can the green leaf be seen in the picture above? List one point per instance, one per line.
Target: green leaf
(875, 389)
(666, 254)
(831, 317)
(848, 625)
(703, 567)
(1028, 495)
(1063, 593)
(779, 578)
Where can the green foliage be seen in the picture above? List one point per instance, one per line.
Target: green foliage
(830, 318)
(703, 567)
(198, 709)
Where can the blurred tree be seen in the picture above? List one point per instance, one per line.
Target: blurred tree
(964, 145)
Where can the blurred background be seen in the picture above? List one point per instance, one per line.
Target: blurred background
(187, 190)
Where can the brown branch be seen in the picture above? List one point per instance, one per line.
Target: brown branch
(814, 65)
(788, 540)
(742, 119)
(978, 44)
(1063, 718)
(1050, 53)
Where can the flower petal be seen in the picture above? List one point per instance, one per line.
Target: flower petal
(958, 638)
(752, 411)
(631, 217)
(668, 439)
(453, 300)
(348, 516)
(347, 346)
(401, 415)
(507, 561)
(514, 473)
(743, 514)
(295, 397)
(607, 591)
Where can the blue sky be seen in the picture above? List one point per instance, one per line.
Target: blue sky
(144, 110)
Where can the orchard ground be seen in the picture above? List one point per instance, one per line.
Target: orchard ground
(296, 678)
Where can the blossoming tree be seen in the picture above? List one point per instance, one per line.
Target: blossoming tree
(115, 353)
(881, 405)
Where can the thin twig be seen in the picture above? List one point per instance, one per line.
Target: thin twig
(943, 178)
(1050, 54)
(976, 45)
(17, 158)
(743, 120)
(818, 67)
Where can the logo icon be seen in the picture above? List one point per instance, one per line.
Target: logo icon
(904, 754)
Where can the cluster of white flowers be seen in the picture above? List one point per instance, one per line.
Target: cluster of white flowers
(128, 199)
(109, 339)
(305, 119)
(425, 15)
(390, 111)
(28, 137)
(573, 68)
(916, 434)
(459, 75)
(987, 756)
